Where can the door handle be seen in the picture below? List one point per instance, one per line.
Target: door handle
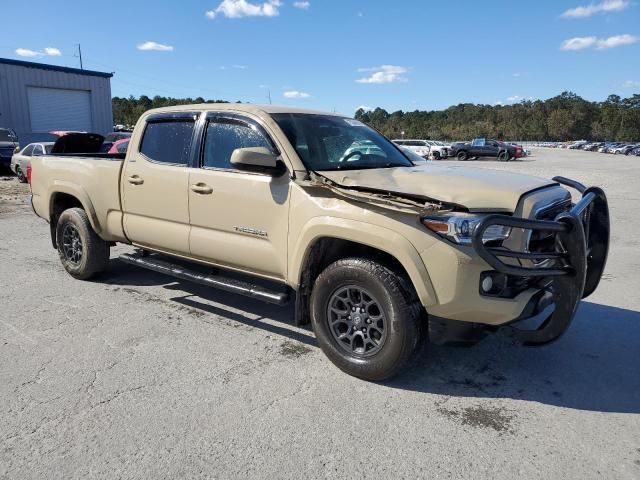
(135, 180)
(202, 188)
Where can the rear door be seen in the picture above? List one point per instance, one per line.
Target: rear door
(239, 218)
(155, 183)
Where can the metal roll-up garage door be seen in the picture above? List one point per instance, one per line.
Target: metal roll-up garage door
(59, 109)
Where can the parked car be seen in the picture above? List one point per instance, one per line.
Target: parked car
(111, 138)
(119, 146)
(413, 156)
(623, 149)
(378, 253)
(438, 150)
(421, 147)
(21, 160)
(482, 147)
(8, 146)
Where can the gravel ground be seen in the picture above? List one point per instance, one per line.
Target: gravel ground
(139, 376)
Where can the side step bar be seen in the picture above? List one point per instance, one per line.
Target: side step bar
(216, 281)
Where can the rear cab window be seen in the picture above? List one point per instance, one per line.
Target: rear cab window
(168, 140)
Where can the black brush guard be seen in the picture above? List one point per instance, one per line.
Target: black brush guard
(574, 266)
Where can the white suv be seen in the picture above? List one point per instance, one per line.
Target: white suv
(424, 148)
(421, 147)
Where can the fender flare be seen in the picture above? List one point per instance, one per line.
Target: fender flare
(78, 192)
(374, 236)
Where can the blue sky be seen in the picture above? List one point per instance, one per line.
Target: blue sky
(340, 54)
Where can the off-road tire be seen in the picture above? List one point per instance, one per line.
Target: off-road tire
(95, 251)
(403, 316)
(462, 156)
(21, 176)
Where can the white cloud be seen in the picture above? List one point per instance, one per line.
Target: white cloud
(515, 99)
(594, 8)
(302, 5)
(158, 47)
(233, 67)
(52, 52)
(48, 51)
(365, 108)
(384, 74)
(519, 74)
(631, 84)
(580, 43)
(243, 8)
(617, 41)
(295, 94)
(25, 52)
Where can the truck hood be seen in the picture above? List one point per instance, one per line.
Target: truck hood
(477, 189)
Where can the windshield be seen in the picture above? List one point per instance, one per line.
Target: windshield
(7, 135)
(326, 142)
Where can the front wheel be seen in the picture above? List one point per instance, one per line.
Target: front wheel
(503, 156)
(82, 252)
(366, 321)
(462, 156)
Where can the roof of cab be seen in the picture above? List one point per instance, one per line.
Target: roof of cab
(243, 107)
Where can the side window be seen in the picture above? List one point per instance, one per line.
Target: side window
(226, 135)
(28, 151)
(168, 141)
(37, 150)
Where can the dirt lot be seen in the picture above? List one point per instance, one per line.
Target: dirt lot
(139, 376)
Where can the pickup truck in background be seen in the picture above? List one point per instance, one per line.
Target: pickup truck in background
(277, 203)
(482, 147)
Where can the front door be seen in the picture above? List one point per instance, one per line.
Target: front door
(155, 184)
(239, 219)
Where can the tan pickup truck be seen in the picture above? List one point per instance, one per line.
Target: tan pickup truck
(275, 203)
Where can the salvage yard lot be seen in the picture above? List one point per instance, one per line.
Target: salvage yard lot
(137, 375)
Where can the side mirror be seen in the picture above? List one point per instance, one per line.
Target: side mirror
(254, 157)
(17, 149)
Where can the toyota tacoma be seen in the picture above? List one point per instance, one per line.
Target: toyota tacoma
(377, 253)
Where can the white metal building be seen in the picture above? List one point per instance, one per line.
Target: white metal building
(36, 98)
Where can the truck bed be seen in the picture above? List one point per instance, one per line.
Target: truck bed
(94, 179)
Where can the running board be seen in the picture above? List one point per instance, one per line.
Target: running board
(223, 283)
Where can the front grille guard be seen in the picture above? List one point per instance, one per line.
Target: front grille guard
(575, 265)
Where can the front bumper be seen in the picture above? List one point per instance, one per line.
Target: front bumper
(574, 267)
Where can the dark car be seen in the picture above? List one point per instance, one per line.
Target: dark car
(482, 147)
(8, 146)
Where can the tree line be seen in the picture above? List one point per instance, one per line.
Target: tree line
(561, 118)
(126, 111)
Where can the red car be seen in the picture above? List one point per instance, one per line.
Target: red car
(119, 146)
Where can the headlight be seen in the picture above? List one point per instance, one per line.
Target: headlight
(460, 227)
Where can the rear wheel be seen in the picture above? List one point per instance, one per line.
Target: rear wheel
(365, 320)
(83, 254)
(20, 174)
(462, 156)
(436, 155)
(503, 156)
